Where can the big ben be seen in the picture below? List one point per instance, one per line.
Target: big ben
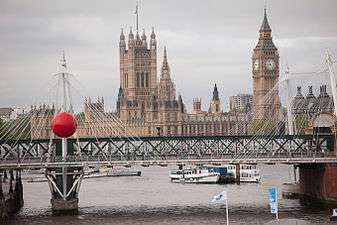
(265, 69)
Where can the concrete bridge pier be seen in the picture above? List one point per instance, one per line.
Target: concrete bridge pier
(64, 184)
(318, 183)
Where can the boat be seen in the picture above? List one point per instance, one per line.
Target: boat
(163, 164)
(248, 172)
(334, 215)
(194, 175)
(225, 177)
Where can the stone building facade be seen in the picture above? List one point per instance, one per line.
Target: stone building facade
(304, 109)
(147, 105)
(241, 102)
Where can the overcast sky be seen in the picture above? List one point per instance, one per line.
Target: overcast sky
(207, 42)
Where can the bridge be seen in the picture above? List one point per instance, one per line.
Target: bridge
(31, 154)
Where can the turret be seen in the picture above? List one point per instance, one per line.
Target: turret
(131, 42)
(138, 40)
(153, 42)
(119, 100)
(196, 106)
(166, 87)
(122, 44)
(144, 43)
(165, 69)
(181, 104)
(215, 102)
(215, 93)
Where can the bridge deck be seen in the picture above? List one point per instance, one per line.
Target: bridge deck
(291, 149)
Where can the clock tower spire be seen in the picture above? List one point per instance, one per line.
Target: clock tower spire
(265, 71)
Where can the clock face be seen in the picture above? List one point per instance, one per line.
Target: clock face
(270, 64)
(256, 64)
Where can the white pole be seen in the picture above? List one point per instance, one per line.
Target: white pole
(64, 140)
(332, 80)
(227, 219)
(289, 114)
(276, 202)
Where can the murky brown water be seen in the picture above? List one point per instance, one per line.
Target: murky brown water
(153, 199)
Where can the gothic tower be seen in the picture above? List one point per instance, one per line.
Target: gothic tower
(138, 75)
(215, 102)
(138, 66)
(265, 68)
(166, 89)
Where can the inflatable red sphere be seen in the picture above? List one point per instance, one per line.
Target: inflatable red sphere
(64, 124)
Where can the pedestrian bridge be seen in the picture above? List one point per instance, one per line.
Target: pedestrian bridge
(290, 149)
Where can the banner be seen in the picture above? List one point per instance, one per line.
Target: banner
(273, 200)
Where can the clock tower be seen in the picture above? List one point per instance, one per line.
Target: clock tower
(265, 67)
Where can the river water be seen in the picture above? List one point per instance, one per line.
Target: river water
(153, 199)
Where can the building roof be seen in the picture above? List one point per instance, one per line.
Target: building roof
(6, 112)
(265, 25)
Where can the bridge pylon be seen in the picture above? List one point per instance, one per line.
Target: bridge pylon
(64, 181)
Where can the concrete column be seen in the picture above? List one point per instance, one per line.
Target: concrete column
(237, 173)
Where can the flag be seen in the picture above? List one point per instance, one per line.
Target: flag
(273, 200)
(220, 197)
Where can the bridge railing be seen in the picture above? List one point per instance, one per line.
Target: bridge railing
(169, 148)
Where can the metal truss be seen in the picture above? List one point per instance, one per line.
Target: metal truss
(169, 148)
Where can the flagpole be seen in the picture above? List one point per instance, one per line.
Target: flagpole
(276, 202)
(227, 219)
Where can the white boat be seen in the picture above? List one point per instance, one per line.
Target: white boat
(248, 172)
(196, 175)
(334, 215)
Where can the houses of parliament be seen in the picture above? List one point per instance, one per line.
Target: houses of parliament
(148, 105)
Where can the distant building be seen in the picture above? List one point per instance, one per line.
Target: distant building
(241, 102)
(147, 104)
(305, 108)
(7, 114)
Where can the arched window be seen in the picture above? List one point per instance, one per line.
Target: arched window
(142, 79)
(147, 79)
(137, 80)
(126, 80)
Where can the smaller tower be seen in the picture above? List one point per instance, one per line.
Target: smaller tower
(122, 44)
(131, 42)
(215, 102)
(181, 104)
(166, 89)
(144, 43)
(197, 106)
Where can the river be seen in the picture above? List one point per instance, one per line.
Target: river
(153, 199)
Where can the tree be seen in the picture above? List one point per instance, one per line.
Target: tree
(264, 127)
(300, 123)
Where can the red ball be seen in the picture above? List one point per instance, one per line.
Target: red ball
(64, 124)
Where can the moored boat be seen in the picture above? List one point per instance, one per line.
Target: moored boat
(248, 172)
(334, 215)
(194, 175)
